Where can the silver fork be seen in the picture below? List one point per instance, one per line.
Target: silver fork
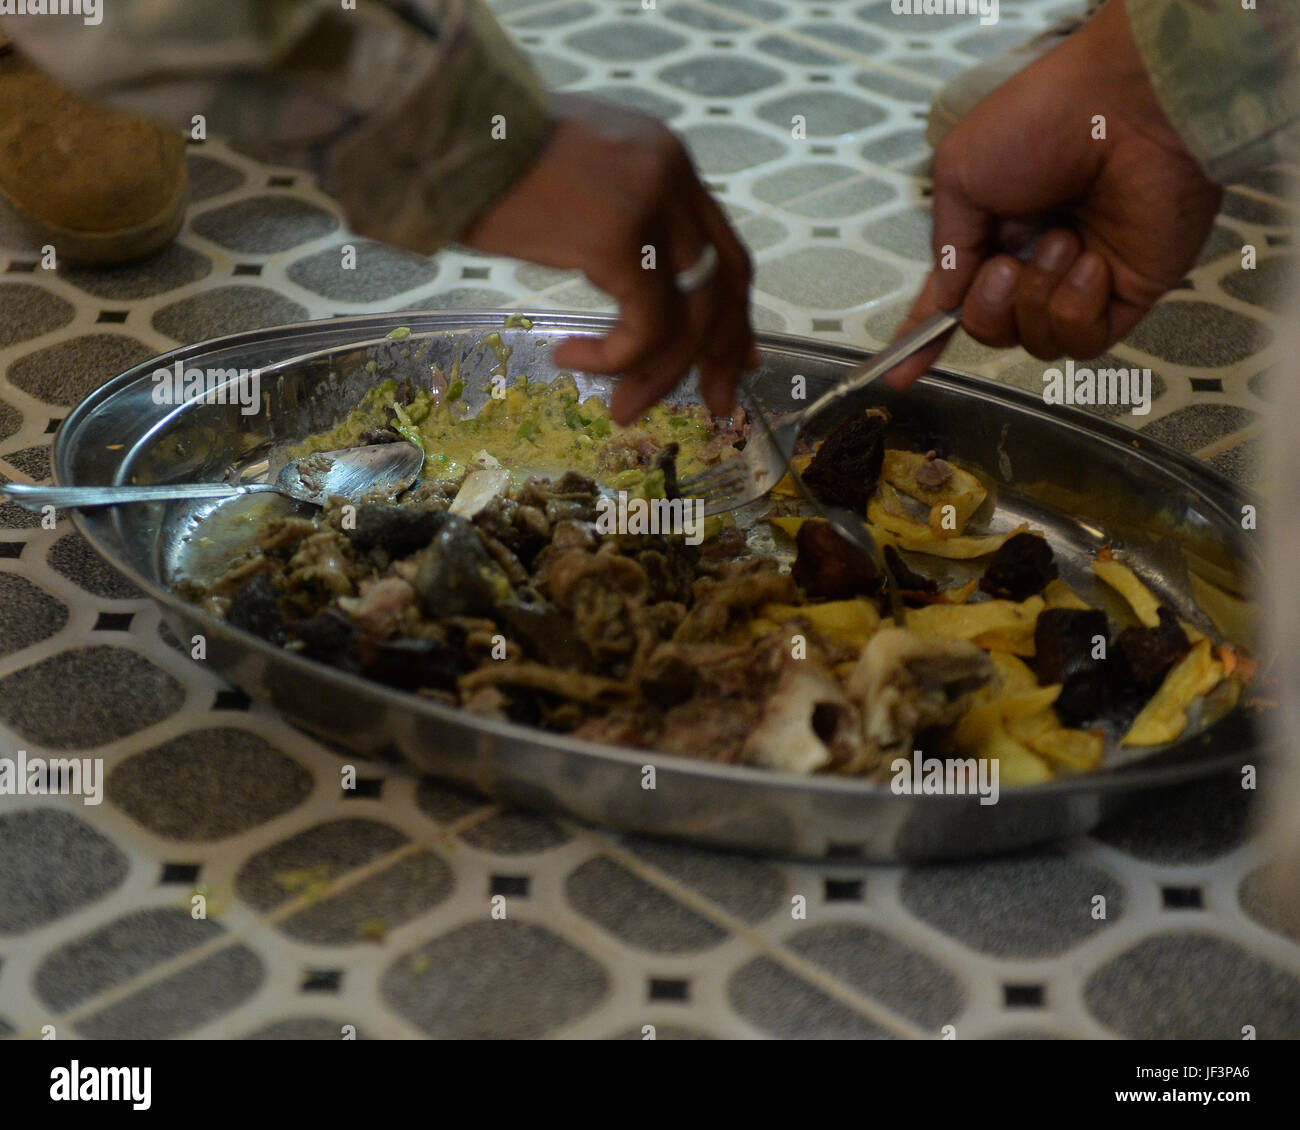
(760, 466)
(756, 470)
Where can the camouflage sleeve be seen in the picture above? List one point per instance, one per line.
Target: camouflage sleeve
(1227, 75)
(415, 114)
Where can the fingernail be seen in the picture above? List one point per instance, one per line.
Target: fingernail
(999, 282)
(1086, 273)
(1053, 253)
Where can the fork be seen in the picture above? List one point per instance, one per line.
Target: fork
(763, 462)
(761, 465)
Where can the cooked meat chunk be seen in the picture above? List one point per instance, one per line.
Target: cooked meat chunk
(830, 568)
(846, 468)
(455, 575)
(571, 533)
(330, 638)
(1020, 568)
(719, 603)
(1065, 646)
(808, 723)
(905, 683)
(381, 605)
(666, 461)
(934, 473)
(1145, 654)
(728, 435)
(546, 633)
(412, 664)
(669, 677)
(632, 449)
(709, 728)
(905, 577)
(383, 434)
(323, 559)
(401, 530)
(600, 590)
(282, 535)
(671, 572)
(591, 689)
(256, 609)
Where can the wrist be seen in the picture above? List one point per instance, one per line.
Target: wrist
(1120, 77)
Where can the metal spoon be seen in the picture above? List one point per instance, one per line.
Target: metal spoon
(353, 472)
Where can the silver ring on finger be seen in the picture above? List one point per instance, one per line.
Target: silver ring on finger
(700, 273)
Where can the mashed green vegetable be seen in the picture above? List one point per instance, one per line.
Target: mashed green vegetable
(528, 426)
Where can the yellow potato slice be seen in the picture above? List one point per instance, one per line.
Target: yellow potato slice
(1002, 621)
(1058, 594)
(1017, 766)
(850, 622)
(1126, 582)
(1031, 726)
(785, 488)
(963, 492)
(1164, 718)
(1075, 750)
(982, 732)
(962, 548)
(1014, 674)
(886, 510)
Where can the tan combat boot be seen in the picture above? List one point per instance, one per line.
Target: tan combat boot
(100, 185)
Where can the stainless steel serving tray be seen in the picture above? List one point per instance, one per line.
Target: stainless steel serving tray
(1084, 480)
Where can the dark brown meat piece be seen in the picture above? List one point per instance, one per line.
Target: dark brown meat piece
(666, 461)
(547, 633)
(330, 638)
(1020, 568)
(383, 434)
(846, 468)
(1144, 654)
(669, 677)
(907, 579)
(255, 609)
(456, 576)
(410, 664)
(829, 567)
(401, 530)
(719, 603)
(1064, 642)
(601, 590)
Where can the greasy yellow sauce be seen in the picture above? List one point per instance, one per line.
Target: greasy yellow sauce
(528, 426)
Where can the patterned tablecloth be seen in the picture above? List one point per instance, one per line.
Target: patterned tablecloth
(372, 908)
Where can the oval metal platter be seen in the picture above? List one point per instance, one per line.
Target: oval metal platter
(1086, 481)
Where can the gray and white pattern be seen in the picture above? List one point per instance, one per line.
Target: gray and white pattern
(373, 908)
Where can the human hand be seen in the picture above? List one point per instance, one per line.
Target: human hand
(608, 183)
(1136, 205)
